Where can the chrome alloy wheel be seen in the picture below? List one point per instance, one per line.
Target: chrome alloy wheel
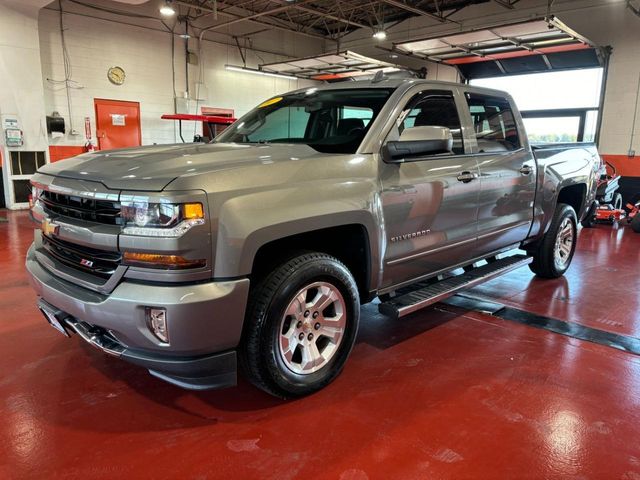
(564, 243)
(312, 328)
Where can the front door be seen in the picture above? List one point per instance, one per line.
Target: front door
(429, 213)
(117, 124)
(507, 173)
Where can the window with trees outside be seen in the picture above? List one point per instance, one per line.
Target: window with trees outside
(556, 106)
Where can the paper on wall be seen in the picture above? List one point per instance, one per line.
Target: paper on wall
(118, 119)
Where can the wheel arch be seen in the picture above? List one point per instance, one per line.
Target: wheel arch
(244, 243)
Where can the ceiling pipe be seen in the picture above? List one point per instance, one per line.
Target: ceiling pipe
(224, 13)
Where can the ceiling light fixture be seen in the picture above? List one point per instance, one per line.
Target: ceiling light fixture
(167, 9)
(255, 71)
(380, 35)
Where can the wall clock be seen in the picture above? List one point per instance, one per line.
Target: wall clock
(116, 75)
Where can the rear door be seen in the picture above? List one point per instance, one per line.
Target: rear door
(429, 213)
(117, 124)
(507, 172)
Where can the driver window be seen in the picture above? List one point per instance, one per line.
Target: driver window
(433, 110)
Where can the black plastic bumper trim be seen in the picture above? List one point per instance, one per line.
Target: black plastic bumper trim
(216, 370)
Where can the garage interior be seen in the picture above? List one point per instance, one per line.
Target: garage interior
(515, 378)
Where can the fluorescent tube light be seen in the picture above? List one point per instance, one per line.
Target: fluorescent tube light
(255, 71)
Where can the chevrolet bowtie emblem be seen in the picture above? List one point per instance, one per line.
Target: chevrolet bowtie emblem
(48, 227)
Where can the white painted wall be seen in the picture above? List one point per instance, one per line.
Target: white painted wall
(20, 84)
(240, 91)
(94, 45)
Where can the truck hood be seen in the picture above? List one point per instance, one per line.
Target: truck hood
(152, 168)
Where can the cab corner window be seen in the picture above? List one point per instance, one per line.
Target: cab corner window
(433, 109)
(494, 123)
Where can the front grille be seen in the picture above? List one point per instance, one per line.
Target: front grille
(88, 209)
(91, 260)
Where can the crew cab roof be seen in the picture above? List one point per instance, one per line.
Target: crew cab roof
(402, 84)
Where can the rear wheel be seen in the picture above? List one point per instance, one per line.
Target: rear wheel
(301, 325)
(617, 201)
(554, 253)
(590, 219)
(635, 223)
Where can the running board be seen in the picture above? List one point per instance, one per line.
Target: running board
(422, 296)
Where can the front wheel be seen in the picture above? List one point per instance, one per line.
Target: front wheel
(301, 325)
(554, 253)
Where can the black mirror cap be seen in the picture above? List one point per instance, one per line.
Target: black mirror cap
(400, 152)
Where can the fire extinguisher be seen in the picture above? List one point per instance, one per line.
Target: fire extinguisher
(89, 147)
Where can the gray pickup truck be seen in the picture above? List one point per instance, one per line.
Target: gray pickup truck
(259, 248)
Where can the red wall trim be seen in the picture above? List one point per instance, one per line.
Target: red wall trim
(625, 165)
(520, 53)
(60, 152)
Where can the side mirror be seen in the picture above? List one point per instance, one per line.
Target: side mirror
(416, 142)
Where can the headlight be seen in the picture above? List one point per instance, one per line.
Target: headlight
(35, 196)
(160, 219)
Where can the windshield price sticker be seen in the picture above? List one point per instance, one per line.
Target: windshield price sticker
(270, 102)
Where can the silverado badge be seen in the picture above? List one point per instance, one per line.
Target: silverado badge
(48, 227)
(410, 236)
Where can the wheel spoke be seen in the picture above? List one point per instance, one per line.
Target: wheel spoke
(326, 296)
(336, 321)
(311, 356)
(288, 346)
(297, 306)
(333, 333)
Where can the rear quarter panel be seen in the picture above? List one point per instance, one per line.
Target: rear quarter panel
(561, 166)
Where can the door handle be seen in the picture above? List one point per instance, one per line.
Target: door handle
(526, 170)
(466, 177)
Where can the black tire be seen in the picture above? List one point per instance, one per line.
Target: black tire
(260, 352)
(546, 263)
(635, 223)
(617, 201)
(590, 219)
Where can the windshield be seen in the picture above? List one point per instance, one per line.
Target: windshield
(330, 121)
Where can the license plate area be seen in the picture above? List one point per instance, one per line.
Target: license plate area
(51, 316)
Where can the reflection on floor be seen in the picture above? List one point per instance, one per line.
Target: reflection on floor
(444, 393)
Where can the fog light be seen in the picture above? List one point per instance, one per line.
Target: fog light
(157, 322)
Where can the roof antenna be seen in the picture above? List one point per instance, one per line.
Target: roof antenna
(378, 77)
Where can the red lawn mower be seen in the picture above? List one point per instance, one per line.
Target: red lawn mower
(608, 207)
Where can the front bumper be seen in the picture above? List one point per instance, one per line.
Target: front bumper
(205, 323)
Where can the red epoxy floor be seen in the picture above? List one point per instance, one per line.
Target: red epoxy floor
(442, 394)
(600, 290)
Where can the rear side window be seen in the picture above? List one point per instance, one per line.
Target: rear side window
(494, 123)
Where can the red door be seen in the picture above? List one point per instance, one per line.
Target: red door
(117, 124)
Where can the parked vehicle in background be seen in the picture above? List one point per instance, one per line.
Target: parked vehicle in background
(263, 245)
